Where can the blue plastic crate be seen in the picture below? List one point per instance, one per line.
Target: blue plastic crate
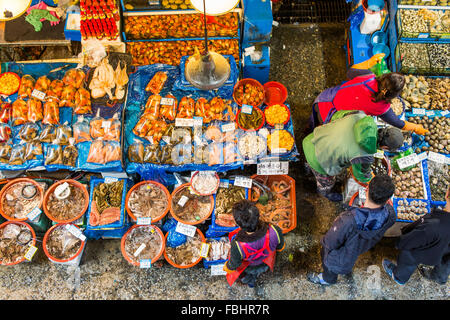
(396, 200)
(208, 264)
(437, 203)
(115, 227)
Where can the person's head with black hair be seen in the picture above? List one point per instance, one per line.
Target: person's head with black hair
(390, 138)
(381, 188)
(390, 85)
(246, 215)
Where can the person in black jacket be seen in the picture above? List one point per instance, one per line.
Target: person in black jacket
(355, 231)
(425, 241)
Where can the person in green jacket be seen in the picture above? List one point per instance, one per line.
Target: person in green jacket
(350, 139)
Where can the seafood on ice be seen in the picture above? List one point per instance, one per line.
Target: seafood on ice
(148, 200)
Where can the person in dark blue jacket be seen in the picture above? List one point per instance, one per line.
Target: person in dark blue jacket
(355, 231)
(425, 241)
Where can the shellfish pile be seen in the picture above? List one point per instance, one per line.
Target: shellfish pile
(414, 55)
(409, 184)
(427, 93)
(439, 175)
(67, 208)
(412, 210)
(15, 240)
(439, 136)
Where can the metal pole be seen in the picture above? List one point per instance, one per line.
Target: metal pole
(206, 31)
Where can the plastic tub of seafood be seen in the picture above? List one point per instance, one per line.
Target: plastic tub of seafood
(16, 238)
(186, 255)
(274, 110)
(147, 199)
(249, 91)
(205, 183)
(250, 122)
(275, 197)
(64, 243)
(142, 242)
(66, 201)
(188, 207)
(19, 198)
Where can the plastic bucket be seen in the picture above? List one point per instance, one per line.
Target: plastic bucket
(205, 194)
(33, 234)
(203, 239)
(12, 183)
(356, 195)
(372, 6)
(381, 48)
(250, 81)
(291, 182)
(52, 189)
(187, 185)
(155, 258)
(256, 129)
(75, 259)
(163, 188)
(275, 93)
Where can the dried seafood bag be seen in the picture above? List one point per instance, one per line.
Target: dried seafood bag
(5, 132)
(136, 151)
(63, 133)
(16, 238)
(51, 112)
(219, 250)
(19, 112)
(168, 107)
(187, 254)
(107, 204)
(147, 199)
(5, 153)
(16, 160)
(68, 96)
(42, 84)
(111, 128)
(26, 86)
(19, 198)
(5, 112)
(54, 154)
(142, 242)
(33, 152)
(70, 155)
(157, 82)
(66, 201)
(64, 244)
(74, 77)
(55, 90)
(81, 130)
(83, 103)
(48, 134)
(189, 207)
(27, 132)
(35, 112)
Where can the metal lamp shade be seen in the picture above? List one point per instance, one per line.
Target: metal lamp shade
(214, 7)
(207, 71)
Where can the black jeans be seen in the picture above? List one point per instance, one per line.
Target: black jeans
(406, 265)
(328, 275)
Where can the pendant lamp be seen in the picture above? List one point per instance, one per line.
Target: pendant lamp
(209, 70)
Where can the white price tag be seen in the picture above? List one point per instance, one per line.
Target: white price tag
(418, 111)
(273, 168)
(167, 101)
(278, 150)
(225, 183)
(422, 156)
(247, 162)
(436, 157)
(30, 253)
(184, 122)
(444, 113)
(247, 109)
(217, 270)
(59, 190)
(228, 127)
(34, 213)
(408, 161)
(275, 23)
(244, 182)
(145, 263)
(197, 121)
(186, 229)
(106, 124)
(423, 35)
(204, 250)
(75, 231)
(429, 113)
(139, 250)
(183, 201)
(379, 154)
(38, 94)
(143, 221)
(110, 180)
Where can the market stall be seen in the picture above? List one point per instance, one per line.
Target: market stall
(416, 36)
(139, 153)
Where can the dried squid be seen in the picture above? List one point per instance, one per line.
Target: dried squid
(62, 244)
(143, 237)
(66, 208)
(187, 253)
(148, 200)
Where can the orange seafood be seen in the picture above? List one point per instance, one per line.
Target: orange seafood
(108, 216)
(51, 112)
(151, 109)
(186, 108)
(34, 113)
(42, 84)
(55, 89)
(5, 112)
(26, 86)
(74, 77)
(157, 82)
(96, 152)
(19, 112)
(68, 96)
(82, 101)
(169, 111)
(249, 94)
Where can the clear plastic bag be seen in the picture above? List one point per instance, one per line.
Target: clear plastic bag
(17, 154)
(5, 132)
(5, 112)
(32, 150)
(42, 84)
(74, 77)
(26, 86)
(54, 154)
(136, 152)
(34, 113)
(63, 133)
(19, 112)
(113, 152)
(96, 152)
(168, 107)
(152, 154)
(82, 101)
(55, 90)
(70, 154)
(97, 126)
(156, 83)
(28, 132)
(5, 152)
(112, 128)
(81, 130)
(152, 106)
(68, 96)
(51, 112)
(48, 134)
(186, 108)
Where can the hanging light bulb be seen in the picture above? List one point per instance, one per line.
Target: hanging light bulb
(209, 70)
(10, 10)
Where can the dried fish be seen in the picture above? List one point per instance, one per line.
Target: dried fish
(148, 200)
(143, 237)
(187, 253)
(62, 244)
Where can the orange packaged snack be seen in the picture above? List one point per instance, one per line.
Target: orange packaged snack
(42, 84)
(26, 86)
(35, 113)
(150, 129)
(19, 112)
(51, 112)
(82, 101)
(5, 112)
(168, 107)
(68, 96)
(74, 77)
(55, 89)
(186, 108)
(157, 82)
(151, 109)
